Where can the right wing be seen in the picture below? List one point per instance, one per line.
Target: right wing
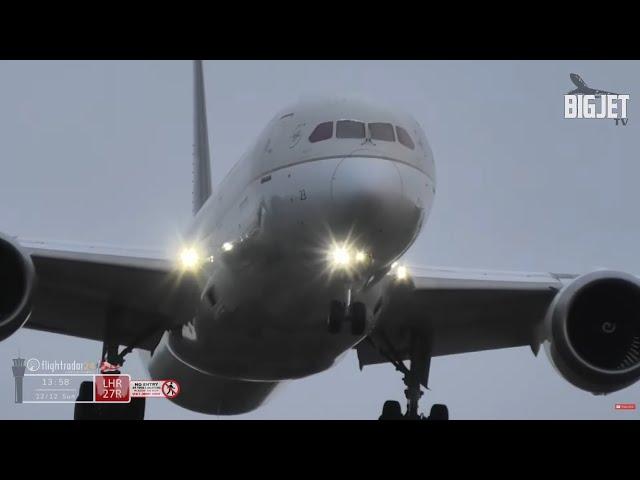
(79, 289)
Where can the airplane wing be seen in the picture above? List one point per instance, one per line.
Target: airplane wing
(602, 92)
(79, 287)
(589, 91)
(462, 311)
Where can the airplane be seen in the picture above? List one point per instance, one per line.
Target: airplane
(584, 89)
(295, 260)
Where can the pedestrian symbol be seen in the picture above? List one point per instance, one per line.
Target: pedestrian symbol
(170, 389)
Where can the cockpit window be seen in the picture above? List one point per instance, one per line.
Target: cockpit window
(350, 129)
(324, 131)
(382, 131)
(404, 138)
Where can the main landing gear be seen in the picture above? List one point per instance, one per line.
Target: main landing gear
(355, 314)
(106, 411)
(110, 364)
(415, 376)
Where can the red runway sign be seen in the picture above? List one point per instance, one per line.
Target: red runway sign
(112, 388)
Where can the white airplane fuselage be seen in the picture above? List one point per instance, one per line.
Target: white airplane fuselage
(266, 235)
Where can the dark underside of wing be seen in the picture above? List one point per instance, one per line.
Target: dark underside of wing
(78, 292)
(459, 312)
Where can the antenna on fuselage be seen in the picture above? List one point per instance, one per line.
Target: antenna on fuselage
(201, 160)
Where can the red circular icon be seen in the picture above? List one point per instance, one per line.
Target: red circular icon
(170, 389)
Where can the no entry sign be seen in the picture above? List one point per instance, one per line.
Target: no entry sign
(155, 388)
(121, 389)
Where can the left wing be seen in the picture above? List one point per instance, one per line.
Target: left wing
(141, 294)
(462, 311)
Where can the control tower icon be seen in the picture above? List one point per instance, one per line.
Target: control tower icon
(18, 375)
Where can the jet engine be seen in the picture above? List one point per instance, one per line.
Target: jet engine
(593, 331)
(17, 283)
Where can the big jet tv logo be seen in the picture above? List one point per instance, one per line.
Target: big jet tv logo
(591, 103)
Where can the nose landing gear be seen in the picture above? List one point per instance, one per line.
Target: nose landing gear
(355, 314)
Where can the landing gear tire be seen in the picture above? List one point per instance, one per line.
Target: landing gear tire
(336, 316)
(107, 411)
(415, 377)
(391, 410)
(438, 412)
(358, 318)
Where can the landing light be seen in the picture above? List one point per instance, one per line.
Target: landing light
(227, 246)
(340, 257)
(402, 273)
(189, 258)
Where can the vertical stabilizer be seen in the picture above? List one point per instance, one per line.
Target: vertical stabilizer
(201, 161)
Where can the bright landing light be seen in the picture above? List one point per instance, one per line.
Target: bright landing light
(345, 257)
(227, 246)
(402, 273)
(340, 257)
(189, 258)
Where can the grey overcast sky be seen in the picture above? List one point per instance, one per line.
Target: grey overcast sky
(100, 152)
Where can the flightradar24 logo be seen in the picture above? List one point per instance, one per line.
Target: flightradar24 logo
(587, 102)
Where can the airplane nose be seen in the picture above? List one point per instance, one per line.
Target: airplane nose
(370, 208)
(364, 182)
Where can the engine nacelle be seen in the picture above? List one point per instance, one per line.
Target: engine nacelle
(17, 284)
(593, 331)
